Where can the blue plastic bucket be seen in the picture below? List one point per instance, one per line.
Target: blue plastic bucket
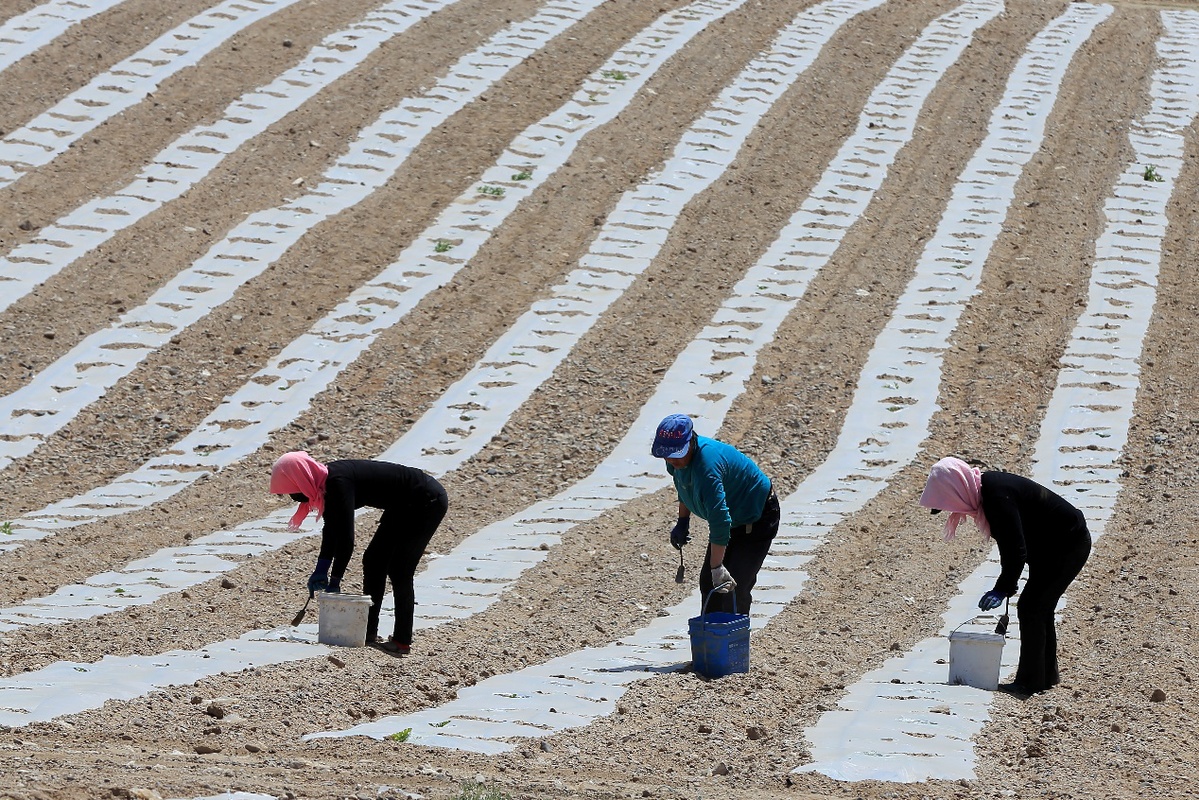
(719, 641)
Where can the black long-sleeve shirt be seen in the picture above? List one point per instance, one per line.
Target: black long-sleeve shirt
(356, 483)
(1030, 524)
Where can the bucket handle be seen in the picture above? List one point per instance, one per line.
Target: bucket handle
(704, 611)
(1000, 626)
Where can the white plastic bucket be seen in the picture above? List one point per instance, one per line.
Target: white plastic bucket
(974, 659)
(343, 619)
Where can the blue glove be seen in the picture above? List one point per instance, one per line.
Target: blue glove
(680, 534)
(318, 581)
(991, 600)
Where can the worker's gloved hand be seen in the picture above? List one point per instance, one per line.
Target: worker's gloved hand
(722, 581)
(334, 585)
(318, 581)
(991, 600)
(680, 534)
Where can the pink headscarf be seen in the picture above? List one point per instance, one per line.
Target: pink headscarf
(299, 473)
(956, 487)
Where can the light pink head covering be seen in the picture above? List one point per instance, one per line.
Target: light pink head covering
(956, 487)
(299, 473)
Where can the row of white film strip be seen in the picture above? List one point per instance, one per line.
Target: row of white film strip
(27, 33)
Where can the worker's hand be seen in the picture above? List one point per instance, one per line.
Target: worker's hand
(991, 600)
(680, 534)
(318, 581)
(722, 581)
(334, 585)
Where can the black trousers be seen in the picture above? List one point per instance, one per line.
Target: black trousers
(394, 552)
(743, 557)
(1046, 584)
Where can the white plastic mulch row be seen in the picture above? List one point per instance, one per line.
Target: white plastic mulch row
(38, 695)
(283, 389)
(172, 569)
(37, 27)
(885, 424)
(53, 132)
(921, 728)
(190, 158)
(82, 375)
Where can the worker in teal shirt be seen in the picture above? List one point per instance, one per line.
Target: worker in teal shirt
(718, 483)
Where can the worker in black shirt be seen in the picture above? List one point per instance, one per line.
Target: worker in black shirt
(1031, 525)
(413, 505)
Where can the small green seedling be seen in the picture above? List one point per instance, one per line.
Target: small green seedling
(477, 791)
(6, 528)
(494, 191)
(119, 590)
(441, 724)
(615, 75)
(400, 736)
(442, 246)
(523, 175)
(1151, 174)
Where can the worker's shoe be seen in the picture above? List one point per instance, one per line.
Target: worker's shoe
(390, 645)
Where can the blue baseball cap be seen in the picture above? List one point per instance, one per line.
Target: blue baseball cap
(674, 437)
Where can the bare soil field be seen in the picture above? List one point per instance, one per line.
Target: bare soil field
(1121, 724)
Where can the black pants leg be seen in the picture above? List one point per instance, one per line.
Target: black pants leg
(395, 552)
(1038, 669)
(743, 558)
(374, 578)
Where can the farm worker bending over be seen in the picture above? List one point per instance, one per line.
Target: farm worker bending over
(413, 505)
(1031, 525)
(720, 484)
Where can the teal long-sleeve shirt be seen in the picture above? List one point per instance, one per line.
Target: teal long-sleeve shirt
(721, 485)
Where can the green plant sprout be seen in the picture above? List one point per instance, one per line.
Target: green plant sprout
(442, 246)
(494, 191)
(441, 724)
(400, 736)
(614, 74)
(523, 175)
(6, 528)
(477, 791)
(1151, 174)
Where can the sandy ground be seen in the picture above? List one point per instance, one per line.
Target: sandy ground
(1128, 627)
